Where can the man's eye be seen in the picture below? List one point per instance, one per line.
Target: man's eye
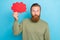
(34, 10)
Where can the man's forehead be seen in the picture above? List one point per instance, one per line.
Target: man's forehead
(35, 8)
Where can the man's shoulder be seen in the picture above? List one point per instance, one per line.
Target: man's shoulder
(26, 20)
(43, 22)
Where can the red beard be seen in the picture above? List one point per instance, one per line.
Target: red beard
(35, 18)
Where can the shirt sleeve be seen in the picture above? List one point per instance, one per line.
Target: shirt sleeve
(17, 28)
(46, 35)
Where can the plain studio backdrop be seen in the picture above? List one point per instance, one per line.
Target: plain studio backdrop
(50, 12)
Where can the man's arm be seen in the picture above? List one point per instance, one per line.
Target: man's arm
(46, 35)
(17, 28)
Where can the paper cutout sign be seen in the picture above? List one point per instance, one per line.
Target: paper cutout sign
(19, 7)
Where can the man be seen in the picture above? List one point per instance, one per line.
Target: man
(34, 28)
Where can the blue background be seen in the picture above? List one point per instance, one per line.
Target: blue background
(50, 13)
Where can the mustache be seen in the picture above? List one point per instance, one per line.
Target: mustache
(35, 15)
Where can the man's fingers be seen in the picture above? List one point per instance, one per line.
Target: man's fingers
(16, 13)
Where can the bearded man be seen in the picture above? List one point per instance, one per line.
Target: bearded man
(33, 28)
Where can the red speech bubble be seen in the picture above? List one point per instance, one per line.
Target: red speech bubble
(19, 7)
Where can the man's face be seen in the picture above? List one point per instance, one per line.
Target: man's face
(35, 11)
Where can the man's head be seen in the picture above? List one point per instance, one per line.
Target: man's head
(35, 12)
